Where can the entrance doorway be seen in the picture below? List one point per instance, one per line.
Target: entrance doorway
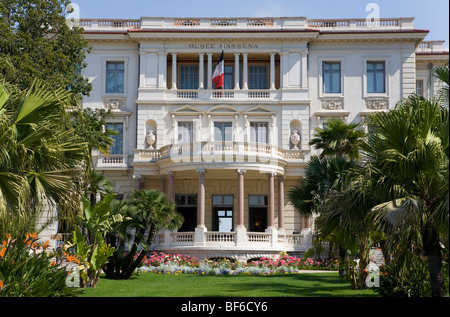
(187, 206)
(257, 209)
(223, 213)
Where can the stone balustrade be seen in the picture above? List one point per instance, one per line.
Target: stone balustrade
(235, 151)
(431, 47)
(112, 161)
(251, 240)
(247, 23)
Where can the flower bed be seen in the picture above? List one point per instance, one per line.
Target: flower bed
(161, 263)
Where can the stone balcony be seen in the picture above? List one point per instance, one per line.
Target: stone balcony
(229, 94)
(198, 152)
(240, 152)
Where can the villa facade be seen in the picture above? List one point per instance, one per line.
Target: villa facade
(229, 157)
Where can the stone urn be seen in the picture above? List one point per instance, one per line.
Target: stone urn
(295, 140)
(150, 139)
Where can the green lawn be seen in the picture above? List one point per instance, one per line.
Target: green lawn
(189, 285)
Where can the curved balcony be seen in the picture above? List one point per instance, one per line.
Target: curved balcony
(221, 153)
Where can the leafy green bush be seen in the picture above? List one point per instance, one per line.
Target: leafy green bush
(410, 281)
(26, 270)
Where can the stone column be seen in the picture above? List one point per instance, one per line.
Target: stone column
(272, 70)
(306, 222)
(283, 64)
(245, 71)
(174, 71)
(162, 184)
(201, 198)
(271, 196)
(236, 71)
(209, 75)
(281, 203)
(138, 182)
(162, 77)
(271, 211)
(142, 68)
(201, 72)
(171, 175)
(241, 197)
(304, 69)
(200, 230)
(241, 231)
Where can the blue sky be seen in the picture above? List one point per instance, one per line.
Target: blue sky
(432, 15)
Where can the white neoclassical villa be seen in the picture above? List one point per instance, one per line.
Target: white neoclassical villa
(228, 157)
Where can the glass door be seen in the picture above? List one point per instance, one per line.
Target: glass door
(223, 213)
(187, 206)
(257, 209)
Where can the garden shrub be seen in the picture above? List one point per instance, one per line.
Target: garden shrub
(410, 281)
(26, 270)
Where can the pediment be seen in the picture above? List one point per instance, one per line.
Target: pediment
(223, 110)
(187, 110)
(260, 110)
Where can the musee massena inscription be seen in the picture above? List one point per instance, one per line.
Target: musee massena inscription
(222, 46)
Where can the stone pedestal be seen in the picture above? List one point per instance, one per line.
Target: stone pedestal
(241, 236)
(199, 236)
(273, 235)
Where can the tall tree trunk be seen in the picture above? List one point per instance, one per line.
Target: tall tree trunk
(385, 251)
(433, 253)
(341, 262)
(133, 265)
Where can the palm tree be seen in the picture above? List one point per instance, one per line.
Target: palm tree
(39, 154)
(409, 151)
(328, 173)
(338, 138)
(322, 177)
(146, 213)
(442, 73)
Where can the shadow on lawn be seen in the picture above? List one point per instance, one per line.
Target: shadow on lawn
(309, 285)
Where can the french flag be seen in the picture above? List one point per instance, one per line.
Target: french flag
(217, 77)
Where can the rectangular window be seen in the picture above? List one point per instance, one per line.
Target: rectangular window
(223, 131)
(185, 132)
(259, 132)
(419, 87)
(115, 77)
(257, 77)
(223, 213)
(376, 77)
(257, 200)
(188, 77)
(117, 147)
(228, 77)
(331, 77)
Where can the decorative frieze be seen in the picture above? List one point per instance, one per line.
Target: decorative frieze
(332, 103)
(377, 103)
(114, 104)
